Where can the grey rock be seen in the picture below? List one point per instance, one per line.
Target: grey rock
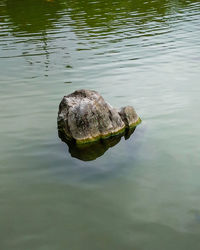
(84, 116)
(129, 116)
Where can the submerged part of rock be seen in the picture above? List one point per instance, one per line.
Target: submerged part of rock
(91, 151)
(84, 116)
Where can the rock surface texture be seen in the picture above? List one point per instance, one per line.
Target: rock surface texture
(84, 116)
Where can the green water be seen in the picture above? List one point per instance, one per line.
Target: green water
(142, 193)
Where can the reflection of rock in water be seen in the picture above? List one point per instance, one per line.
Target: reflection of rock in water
(91, 151)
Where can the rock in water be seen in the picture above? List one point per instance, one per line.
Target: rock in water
(84, 116)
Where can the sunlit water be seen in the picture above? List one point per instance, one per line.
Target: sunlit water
(142, 194)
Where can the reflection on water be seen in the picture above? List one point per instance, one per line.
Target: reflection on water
(31, 16)
(44, 27)
(34, 17)
(142, 193)
(91, 151)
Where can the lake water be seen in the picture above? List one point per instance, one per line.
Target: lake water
(141, 194)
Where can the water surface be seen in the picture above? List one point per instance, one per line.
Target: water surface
(143, 193)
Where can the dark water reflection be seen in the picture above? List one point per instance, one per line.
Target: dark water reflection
(31, 16)
(142, 193)
(91, 151)
(34, 16)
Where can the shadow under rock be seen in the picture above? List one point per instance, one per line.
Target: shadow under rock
(91, 151)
